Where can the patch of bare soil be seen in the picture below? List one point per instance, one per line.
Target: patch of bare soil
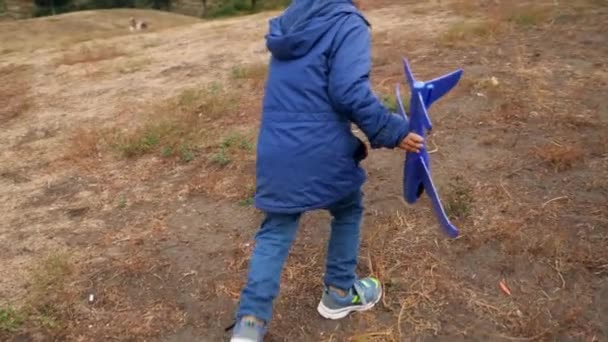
(127, 176)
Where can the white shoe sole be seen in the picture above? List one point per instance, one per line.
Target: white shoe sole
(239, 339)
(334, 314)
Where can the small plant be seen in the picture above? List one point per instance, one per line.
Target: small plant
(233, 143)
(122, 202)
(220, 157)
(49, 290)
(145, 139)
(166, 152)
(10, 319)
(247, 201)
(246, 145)
(52, 273)
(390, 102)
(215, 88)
(237, 140)
(186, 154)
(250, 199)
(150, 139)
(141, 146)
(459, 199)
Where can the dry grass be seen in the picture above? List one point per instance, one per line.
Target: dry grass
(471, 31)
(14, 92)
(10, 319)
(465, 8)
(528, 15)
(67, 29)
(50, 298)
(553, 277)
(182, 125)
(484, 21)
(254, 73)
(134, 65)
(84, 143)
(558, 156)
(489, 86)
(89, 54)
(198, 127)
(231, 145)
(519, 13)
(413, 289)
(459, 199)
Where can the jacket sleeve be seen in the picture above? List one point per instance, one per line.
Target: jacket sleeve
(350, 89)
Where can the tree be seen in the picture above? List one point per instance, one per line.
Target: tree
(204, 8)
(45, 7)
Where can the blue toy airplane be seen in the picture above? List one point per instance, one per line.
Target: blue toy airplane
(417, 170)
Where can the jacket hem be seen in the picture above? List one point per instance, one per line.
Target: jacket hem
(298, 210)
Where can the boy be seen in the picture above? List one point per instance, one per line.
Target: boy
(308, 158)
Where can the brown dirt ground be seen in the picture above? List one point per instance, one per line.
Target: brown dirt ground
(520, 158)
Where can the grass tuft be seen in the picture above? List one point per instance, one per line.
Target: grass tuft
(178, 127)
(89, 54)
(468, 31)
(251, 71)
(232, 145)
(221, 157)
(10, 319)
(390, 102)
(49, 291)
(528, 15)
(459, 199)
(239, 141)
(186, 153)
(559, 157)
(51, 274)
(84, 143)
(14, 92)
(254, 73)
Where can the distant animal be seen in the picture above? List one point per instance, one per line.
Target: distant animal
(137, 25)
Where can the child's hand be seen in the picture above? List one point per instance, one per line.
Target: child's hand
(412, 143)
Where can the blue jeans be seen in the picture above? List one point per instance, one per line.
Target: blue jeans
(273, 242)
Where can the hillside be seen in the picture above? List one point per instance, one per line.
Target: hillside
(127, 174)
(63, 30)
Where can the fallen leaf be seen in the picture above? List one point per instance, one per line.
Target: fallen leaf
(504, 288)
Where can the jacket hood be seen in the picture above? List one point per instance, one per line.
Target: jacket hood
(304, 22)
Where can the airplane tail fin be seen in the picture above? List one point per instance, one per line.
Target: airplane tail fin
(441, 86)
(409, 75)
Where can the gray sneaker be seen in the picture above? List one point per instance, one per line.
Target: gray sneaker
(248, 331)
(364, 294)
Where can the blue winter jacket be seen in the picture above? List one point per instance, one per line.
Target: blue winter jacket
(318, 84)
